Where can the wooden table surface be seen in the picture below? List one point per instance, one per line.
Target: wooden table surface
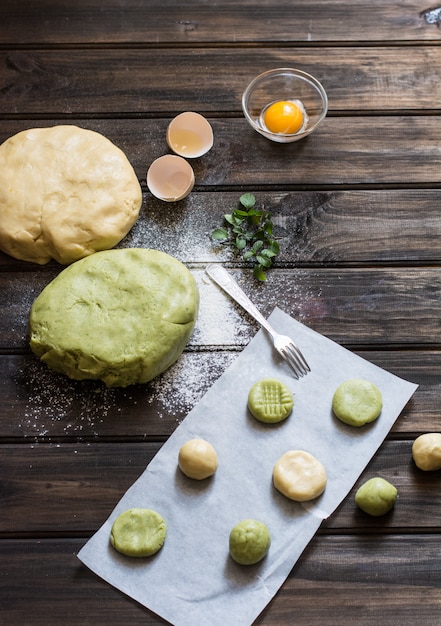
(358, 209)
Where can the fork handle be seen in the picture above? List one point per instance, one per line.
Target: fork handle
(220, 276)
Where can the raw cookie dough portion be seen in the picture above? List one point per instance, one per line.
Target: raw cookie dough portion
(270, 400)
(121, 316)
(138, 532)
(249, 541)
(376, 496)
(198, 459)
(299, 476)
(426, 451)
(65, 192)
(357, 402)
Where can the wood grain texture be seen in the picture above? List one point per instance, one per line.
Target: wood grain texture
(67, 82)
(73, 488)
(345, 151)
(334, 581)
(198, 21)
(356, 209)
(39, 405)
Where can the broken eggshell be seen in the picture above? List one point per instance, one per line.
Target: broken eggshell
(170, 178)
(189, 135)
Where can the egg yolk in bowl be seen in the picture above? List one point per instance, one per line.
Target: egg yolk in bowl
(284, 117)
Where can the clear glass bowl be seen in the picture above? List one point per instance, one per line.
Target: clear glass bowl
(284, 84)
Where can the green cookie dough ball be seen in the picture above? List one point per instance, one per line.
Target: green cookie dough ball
(138, 532)
(357, 402)
(249, 542)
(120, 316)
(376, 496)
(426, 452)
(270, 401)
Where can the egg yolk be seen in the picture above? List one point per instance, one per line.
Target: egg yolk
(283, 117)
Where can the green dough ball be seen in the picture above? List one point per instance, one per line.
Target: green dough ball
(357, 402)
(376, 496)
(121, 316)
(270, 401)
(249, 542)
(138, 532)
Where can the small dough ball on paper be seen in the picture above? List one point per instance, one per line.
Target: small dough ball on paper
(376, 496)
(138, 532)
(426, 451)
(198, 459)
(65, 193)
(299, 476)
(270, 401)
(357, 402)
(249, 542)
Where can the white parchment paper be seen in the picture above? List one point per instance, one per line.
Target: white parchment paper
(192, 580)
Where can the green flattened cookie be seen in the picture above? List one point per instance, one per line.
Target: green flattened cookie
(138, 532)
(249, 542)
(357, 402)
(270, 401)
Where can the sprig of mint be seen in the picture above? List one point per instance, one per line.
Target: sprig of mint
(250, 231)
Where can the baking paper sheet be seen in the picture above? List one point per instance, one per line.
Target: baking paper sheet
(192, 580)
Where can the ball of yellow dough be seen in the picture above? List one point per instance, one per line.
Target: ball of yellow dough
(426, 451)
(299, 476)
(198, 459)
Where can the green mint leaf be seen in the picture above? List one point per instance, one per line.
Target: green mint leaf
(247, 200)
(259, 273)
(263, 260)
(240, 243)
(219, 234)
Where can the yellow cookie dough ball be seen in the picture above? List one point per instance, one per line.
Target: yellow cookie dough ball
(249, 542)
(299, 476)
(198, 459)
(426, 451)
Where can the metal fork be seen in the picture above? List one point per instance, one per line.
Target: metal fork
(284, 345)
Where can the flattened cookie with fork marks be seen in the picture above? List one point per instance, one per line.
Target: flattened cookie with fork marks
(270, 401)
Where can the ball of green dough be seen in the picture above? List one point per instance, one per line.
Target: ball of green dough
(357, 402)
(426, 452)
(120, 316)
(270, 401)
(249, 542)
(138, 532)
(376, 496)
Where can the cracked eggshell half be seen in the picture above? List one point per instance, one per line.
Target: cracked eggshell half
(190, 135)
(170, 178)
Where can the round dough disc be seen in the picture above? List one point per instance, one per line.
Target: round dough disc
(270, 401)
(122, 316)
(65, 192)
(299, 476)
(138, 532)
(357, 402)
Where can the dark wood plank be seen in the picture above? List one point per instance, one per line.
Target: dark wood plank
(351, 306)
(73, 488)
(52, 83)
(39, 405)
(333, 582)
(139, 22)
(313, 227)
(349, 151)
